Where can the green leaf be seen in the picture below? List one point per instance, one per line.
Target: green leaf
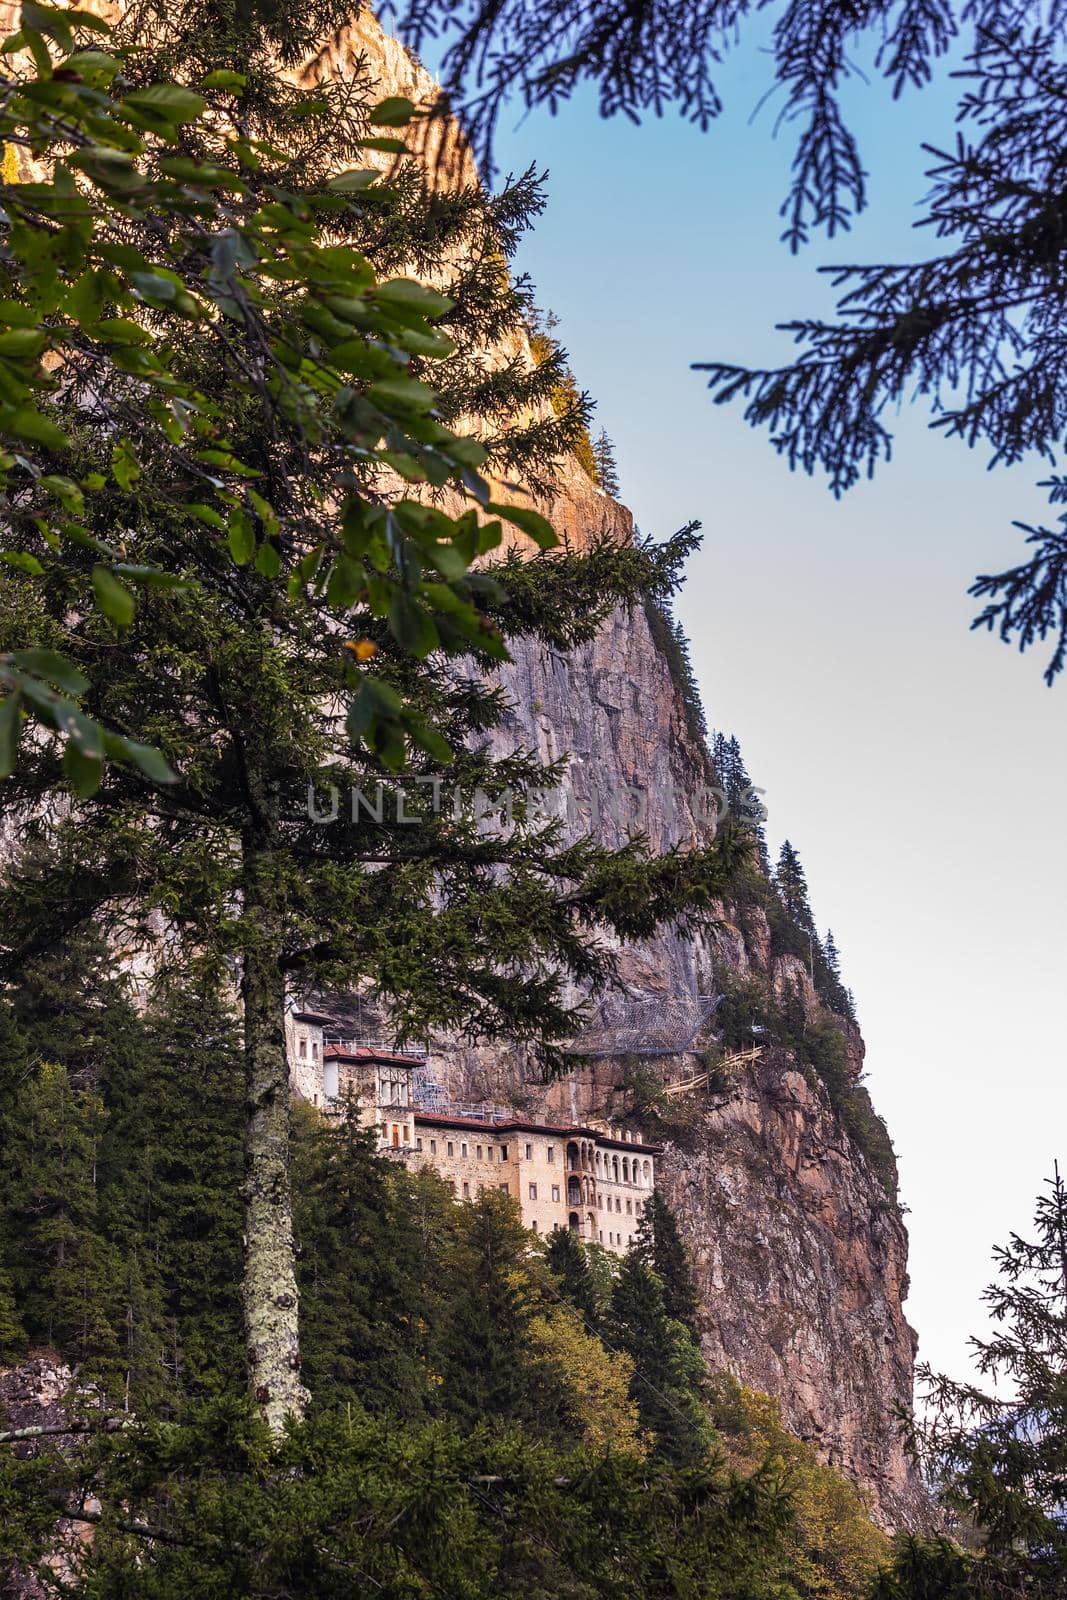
(241, 537)
(23, 562)
(206, 514)
(435, 745)
(344, 584)
(268, 561)
(10, 727)
(53, 668)
(151, 762)
(17, 343)
(395, 147)
(413, 297)
(222, 79)
(538, 527)
(26, 422)
(67, 492)
(413, 629)
(169, 101)
(405, 394)
(353, 181)
(113, 597)
(154, 577)
(393, 112)
(85, 772)
(125, 467)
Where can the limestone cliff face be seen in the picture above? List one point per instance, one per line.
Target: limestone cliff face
(800, 1255)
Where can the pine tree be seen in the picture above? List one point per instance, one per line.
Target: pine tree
(373, 1243)
(171, 1167)
(741, 798)
(607, 472)
(490, 1364)
(999, 1454)
(659, 1245)
(569, 1260)
(12, 1333)
(66, 1273)
(834, 992)
(792, 888)
(668, 1385)
(236, 676)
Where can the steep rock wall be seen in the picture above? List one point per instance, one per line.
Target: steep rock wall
(800, 1254)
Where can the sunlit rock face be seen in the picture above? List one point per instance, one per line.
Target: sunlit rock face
(800, 1255)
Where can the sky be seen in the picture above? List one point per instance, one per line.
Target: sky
(919, 768)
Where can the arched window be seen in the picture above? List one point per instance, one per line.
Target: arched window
(615, 1168)
(647, 1169)
(574, 1191)
(573, 1162)
(625, 1169)
(573, 1222)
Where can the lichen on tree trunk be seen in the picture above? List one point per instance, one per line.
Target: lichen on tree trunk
(270, 1290)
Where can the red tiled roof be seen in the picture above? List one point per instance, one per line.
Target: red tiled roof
(365, 1053)
(438, 1119)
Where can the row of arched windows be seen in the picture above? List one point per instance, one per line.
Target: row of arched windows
(585, 1157)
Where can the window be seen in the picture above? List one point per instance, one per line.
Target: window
(466, 1191)
(314, 1051)
(489, 1152)
(503, 1188)
(451, 1148)
(503, 1152)
(600, 1202)
(618, 1203)
(533, 1191)
(555, 1191)
(463, 1148)
(533, 1224)
(601, 1235)
(529, 1152)
(629, 1208)
(315, 1099)
(433, 1147)
(418, 1144)
(407, 1134)
(478, 1151)
(303, 1049)
(551, 1152)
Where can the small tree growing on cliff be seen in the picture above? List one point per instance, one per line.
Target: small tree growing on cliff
(607, 472)
(792, 888)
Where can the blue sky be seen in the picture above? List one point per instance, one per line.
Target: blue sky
(919, 768)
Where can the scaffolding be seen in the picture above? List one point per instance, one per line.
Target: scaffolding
(645, 1025)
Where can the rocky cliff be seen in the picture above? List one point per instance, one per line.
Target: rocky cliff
(797, 1239)
(799, 1247)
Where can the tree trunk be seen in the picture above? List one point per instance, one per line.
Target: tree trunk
(269, 1292)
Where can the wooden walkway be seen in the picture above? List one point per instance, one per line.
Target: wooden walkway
(740, 1058)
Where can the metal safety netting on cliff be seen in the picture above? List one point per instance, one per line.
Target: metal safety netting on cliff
(645, 1025)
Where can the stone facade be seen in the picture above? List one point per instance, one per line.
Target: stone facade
(595, 1182)
(332, 1073)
